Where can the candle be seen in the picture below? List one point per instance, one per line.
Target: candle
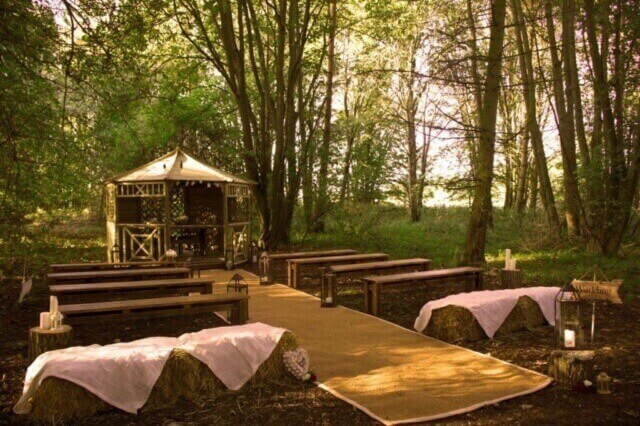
(329, 300)
(53, 304)
(45, 321)
(569, 339)
(513, 265)
(507, 259)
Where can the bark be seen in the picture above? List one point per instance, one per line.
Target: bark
(529, 93)
(322, 202)
(565, 124)
(481, 205)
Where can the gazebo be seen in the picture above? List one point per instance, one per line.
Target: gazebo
(177, 202)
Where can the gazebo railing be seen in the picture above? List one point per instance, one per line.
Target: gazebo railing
(141, 241)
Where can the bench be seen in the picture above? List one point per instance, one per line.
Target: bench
(334, 272)
(283, 257)
(294, 266)
(129, 274)
(197, 265)
(83, 313)
(373, 285)
(105, 266)
(97, 292)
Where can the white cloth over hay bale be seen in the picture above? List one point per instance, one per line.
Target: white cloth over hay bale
(155, 370)
(469, 316)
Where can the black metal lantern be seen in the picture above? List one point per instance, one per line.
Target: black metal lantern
(328, 290)
(569, 309)
(253, 252)
(266, 269)
(237, 284)
(115, 254)
(229, 258)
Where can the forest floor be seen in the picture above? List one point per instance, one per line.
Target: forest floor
(545, 261)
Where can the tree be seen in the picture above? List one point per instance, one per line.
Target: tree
(481, 207)
(259, 50)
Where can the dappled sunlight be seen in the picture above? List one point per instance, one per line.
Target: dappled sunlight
(390, 370)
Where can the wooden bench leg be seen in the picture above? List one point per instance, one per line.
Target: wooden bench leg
(296, 275)
(375, 299)
(367, 298)
(479, 282)
(289, 274)
(240, 314)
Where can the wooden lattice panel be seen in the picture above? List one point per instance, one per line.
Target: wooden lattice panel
(176, 202)
(237, 190)
(152, 210)
(140, 189)
(238, 209)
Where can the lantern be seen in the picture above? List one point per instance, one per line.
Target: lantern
(229, 258)
(266, 269)
(115, 254)
(236, 285)
(253, 250)
(328, 291)
(568, 315)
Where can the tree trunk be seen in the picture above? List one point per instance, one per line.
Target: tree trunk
(481, 206)
(322, 201)
(566, 128)
(529, 93)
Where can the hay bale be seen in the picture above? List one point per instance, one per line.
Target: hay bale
(183, 377)
(455, 324)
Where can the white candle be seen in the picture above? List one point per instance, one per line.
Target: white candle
(45, 321)
(513, 264)
(507, 259)
(53, 304)
(329, 300)
(569, 339)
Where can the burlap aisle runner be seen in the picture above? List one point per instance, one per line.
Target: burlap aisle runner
(393, 374)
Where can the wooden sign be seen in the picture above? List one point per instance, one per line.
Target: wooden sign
(599, 290)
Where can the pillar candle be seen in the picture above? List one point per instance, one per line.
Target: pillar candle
(53, 304)
(507, 259)
(45, 321)
(569, 339)
(513, 265)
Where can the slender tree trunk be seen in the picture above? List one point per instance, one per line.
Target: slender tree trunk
(533, 189)
(481, 206)
(529, 93)
(565, 126)
(523, 170)
(322, 202)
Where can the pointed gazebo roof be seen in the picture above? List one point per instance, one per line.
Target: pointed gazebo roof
(179, 166)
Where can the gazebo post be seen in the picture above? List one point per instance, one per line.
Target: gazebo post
(168, 186)
(225, 219)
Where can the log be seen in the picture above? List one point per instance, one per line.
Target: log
(41, 341)
(569, 368)
(511, 278)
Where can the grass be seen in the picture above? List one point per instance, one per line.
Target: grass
(545, 258)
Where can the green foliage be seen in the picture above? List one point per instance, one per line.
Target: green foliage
(543, 257)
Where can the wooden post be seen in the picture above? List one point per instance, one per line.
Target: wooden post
(367, 297)
(375, 298)
(41, 341)
(569, 368)
(511, 278)
(328, 290)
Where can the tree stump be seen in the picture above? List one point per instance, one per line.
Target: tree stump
(41, 341)
(511, 278)
(569, 368)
